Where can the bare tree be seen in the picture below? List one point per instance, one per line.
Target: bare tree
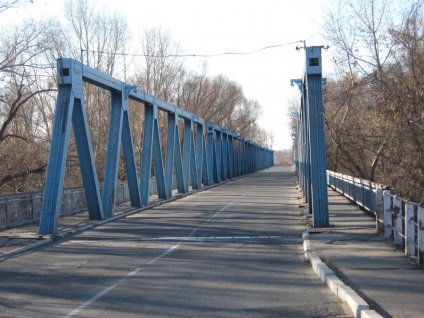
(359, 33)
(373, 108)
(161, 69)
(23, 73)
(9, 4)
(100, 38)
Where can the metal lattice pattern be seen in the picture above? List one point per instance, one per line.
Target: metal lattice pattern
(227, 156)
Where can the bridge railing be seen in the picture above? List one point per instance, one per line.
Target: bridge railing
(362, 192)
(25, 208)
(396, 218)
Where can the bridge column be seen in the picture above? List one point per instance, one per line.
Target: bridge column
(317, 148)
(69, 109)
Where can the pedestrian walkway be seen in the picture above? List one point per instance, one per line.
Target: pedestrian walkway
(392, 284)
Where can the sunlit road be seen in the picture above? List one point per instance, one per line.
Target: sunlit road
(231, 251)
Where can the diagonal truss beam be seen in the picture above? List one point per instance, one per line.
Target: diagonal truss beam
(224, 156)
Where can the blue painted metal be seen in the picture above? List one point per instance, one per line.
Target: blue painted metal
(112, 154)
(225, 156)
(69, 93)
(178, 162)
(170, 152)
(86, 161)
(310, 139)
(146, 155)
(157, 158)
(188, 130)
(130, 163)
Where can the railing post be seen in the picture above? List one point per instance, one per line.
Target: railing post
(32, 207)
(409, 229)
(7, 216)
(72, 202)
(388, 227)
(398, 230)
(420, 221)
(379, 210)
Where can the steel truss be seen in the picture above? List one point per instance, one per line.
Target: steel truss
(225, 156)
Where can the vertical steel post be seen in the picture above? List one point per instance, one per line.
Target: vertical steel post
(211, 154)
(128, 150)
(188, 132)
(193, 161)
(200, 147)
(112, 154)
(146, 155)
(69, 77)
(57, 161)
(178, 159)
(129, 158)
(86, 161)
(224, 156)
(315, 123)
(231, 160)
(170, 151)
(206, 169)
(157, 157)
(218, 154)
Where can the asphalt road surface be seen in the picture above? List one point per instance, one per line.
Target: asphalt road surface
(232, 251)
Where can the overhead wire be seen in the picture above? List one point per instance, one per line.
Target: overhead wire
(198, 55)
(217, 54)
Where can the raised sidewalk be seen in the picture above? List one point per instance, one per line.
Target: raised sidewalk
(389, 282)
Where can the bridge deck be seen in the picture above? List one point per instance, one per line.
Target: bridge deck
(231, 251)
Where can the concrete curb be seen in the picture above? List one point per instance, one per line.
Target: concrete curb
(26, 248)
(359, 307)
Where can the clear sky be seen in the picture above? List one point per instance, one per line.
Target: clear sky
(210, 27)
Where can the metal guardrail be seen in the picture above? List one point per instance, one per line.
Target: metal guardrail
(398, 219)
(362, 192)
(25, 208)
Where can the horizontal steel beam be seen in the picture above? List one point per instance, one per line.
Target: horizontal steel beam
(228, 155)
(100, 79)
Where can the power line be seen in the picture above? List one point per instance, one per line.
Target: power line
(198, 55)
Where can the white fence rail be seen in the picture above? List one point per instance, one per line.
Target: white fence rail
(398, 219)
